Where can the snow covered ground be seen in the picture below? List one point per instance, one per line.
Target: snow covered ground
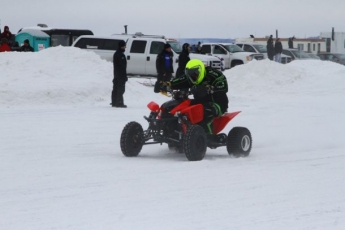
(61, 166)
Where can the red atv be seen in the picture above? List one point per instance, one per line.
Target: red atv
(175, 122)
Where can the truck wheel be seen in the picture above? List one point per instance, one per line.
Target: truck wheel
(195, 143)
(132, 139)
(239, 142)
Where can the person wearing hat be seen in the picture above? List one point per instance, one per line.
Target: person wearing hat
(120, 76)
(290, 42)
(270, 48)
(183, 59)
(26, 47)
(164, 66)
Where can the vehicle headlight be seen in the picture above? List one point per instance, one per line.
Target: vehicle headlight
(205, 63)
(249, 58)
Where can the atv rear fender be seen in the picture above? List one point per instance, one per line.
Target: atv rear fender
(219, 123)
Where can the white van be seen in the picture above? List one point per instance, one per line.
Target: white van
(141, 51)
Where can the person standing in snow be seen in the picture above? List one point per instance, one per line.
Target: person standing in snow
(183, 59)
(270, 48)
(290, 42)
(120, 76)
(26, 47)
(8, 35)
(278, 48)
(164, 66)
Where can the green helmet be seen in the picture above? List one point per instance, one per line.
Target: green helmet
(195, 71)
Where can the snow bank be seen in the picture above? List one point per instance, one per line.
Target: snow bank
(70, 76)
(60, 75)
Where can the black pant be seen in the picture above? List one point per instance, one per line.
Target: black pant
(117, 94)
(161, 78)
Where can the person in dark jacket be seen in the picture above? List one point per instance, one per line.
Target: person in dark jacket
(183, 59)
(4, 47)
(120, 76)
(26, 47)
(8, 35)
(270, 48)
(209, 88)
(164, 66)
(290, 42)
(278, 48)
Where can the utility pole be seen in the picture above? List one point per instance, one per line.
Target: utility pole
(125, 29)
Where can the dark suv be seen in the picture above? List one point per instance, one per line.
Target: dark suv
(335, 57)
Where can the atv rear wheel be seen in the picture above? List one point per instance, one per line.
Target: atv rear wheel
(132, 139)
(195, 143)
(239, 142)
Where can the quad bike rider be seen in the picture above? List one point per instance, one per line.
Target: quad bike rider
(190, 125)
(209, 88)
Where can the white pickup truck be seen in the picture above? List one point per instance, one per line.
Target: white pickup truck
(141, 51)
(232, 54)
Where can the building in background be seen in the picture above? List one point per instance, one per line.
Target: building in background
(309, 45)
(335, 45)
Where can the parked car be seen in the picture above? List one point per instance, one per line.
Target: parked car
(232, 54)
(335, 57)
(262, 49)
(296, 54)
(141, 51)
(313, 56)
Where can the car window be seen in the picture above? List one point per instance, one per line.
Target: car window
(175, 46)
(341, 56)
(110, 44)
(57, 40)
(218, 50)
(329, 57)
(249, 48)
(240, 45)
(138, 46)
(89, 43)
(286, 52)
(261, 48)
(233, 48)
(322, 57)
(156, 47)
(206, 49)
(300, 54)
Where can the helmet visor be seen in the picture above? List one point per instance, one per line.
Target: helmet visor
(193, 74)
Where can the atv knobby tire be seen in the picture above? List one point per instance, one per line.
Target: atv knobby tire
(132, 139)
(239, 142)
(195, 143)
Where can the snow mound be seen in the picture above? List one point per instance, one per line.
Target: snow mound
(302, 77)
(56, 75)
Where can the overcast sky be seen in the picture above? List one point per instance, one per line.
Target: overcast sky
(181, 18)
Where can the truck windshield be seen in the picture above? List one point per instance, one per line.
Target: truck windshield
(175, 46)
(261, 48)
(233, 48)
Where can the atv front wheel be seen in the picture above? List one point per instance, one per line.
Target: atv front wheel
(239, 142)
(195, 143)
(132, 139)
